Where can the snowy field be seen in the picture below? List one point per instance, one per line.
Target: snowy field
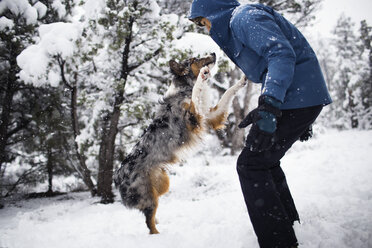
(330, 178)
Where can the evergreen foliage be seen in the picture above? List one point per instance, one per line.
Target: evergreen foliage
(351, 83)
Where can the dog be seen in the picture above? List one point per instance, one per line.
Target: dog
(183, 116)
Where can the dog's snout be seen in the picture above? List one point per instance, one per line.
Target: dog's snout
(213, 55)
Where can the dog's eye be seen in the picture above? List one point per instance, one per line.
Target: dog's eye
(200, 23)
(193, 61)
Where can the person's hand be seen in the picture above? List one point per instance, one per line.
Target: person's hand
(307, 134)
(264, 119)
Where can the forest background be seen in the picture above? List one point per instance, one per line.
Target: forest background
(79, 79)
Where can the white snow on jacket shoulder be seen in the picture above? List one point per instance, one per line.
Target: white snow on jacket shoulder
(272, 38)
(238, 10)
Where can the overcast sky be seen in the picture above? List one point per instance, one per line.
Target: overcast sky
(326, 18)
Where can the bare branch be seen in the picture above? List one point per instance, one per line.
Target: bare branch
(61, 63)
(146, 59)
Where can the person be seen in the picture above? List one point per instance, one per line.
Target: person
(271, 51)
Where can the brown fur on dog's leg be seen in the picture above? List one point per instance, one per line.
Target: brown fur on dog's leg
(161, 182)
(160, 185)
(150, 220)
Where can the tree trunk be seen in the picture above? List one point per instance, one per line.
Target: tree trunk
(110, 125)
(354, 117)
(50, 172)
(106, 155)
(11, 87)
(83, 169)
(5, 116)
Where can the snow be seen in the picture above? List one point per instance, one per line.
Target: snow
(33, 63)
(21, 8)
(59, 7)
(239, 10)
(31, 15)
(92, 8)
(199, 44)
(6, 23)
(329, 177)
(54, 78)
(272, 38)
(55, 39)
(41, 9)
(155, 10)
(59, 37)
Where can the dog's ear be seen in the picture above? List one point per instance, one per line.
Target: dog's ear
(177, 68)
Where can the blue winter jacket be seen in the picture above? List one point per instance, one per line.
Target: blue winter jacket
(268, 49)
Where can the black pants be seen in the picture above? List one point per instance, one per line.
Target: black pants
(266, 193)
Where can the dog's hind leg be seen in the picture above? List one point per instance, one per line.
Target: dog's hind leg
(150, 218)
(160, 181)
(159, 186)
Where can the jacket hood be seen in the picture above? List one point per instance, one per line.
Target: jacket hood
(212, 9)
(219, 13)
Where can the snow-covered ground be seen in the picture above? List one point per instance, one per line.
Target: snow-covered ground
(330, 178)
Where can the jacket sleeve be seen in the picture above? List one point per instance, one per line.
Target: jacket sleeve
(258, 30)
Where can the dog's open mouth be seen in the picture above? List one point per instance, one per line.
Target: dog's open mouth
(213, 57)
(210, 61)
(210, 65)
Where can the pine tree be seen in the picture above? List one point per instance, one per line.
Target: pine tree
(178, 7)
(49, 141)
(352, 83)
(17, 27)
(366, 77)
(347, 53)
(53, 51)
(108, 60)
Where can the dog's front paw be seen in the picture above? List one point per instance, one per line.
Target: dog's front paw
(243, 81)
(205, 73)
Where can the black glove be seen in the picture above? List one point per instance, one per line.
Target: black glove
(307, 134)
(263, 118)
